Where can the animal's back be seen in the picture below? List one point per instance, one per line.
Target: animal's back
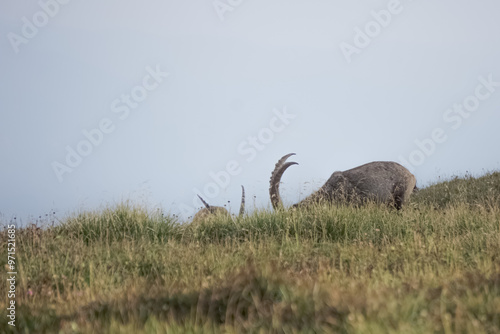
(208, 212)
(379, 180)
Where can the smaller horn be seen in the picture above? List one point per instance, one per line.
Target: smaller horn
(242, 206)
(205, 203)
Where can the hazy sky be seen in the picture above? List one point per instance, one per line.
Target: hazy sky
(155, 101)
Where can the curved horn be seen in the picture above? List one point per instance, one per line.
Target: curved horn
(282, 161)
(274, 189)
(242, 206)
(205, 203)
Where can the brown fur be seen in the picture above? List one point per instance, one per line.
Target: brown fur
(209, 210)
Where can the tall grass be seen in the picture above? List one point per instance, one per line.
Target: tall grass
(432, 267)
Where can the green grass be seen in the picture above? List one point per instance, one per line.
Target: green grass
(432, 267)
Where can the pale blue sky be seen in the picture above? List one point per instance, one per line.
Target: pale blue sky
(360, 81)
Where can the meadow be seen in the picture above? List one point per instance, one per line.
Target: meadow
(433, 267)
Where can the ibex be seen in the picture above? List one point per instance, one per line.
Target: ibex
(380, 181)
(210, 210)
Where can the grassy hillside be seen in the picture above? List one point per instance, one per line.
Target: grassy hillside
(432, 267)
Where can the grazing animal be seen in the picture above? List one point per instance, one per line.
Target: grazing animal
(210, 210)
(380, 181)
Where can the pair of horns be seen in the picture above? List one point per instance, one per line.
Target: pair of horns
(242, 206)
(274, 189)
